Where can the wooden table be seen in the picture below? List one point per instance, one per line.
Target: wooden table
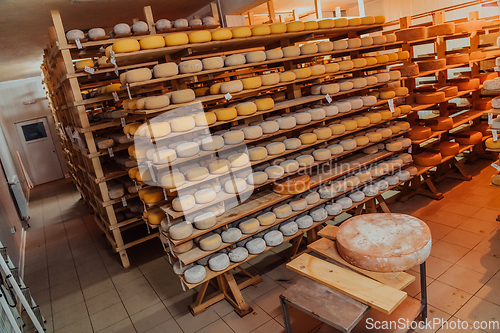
(344, 296)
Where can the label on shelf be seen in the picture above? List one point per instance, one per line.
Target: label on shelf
(124, 202)
(115, 96)
(497, 69)
(122, 119)
(78, 44)
(409, 150)
(228, 96)
(496, 166)
(390, 102)
(151, 171)
(128, 92)
(128, 135)
(113, 61)
(111, 153)
(165, 194)
(495, 135)
(328, 98)
(163, 239)
(490, 118)
(89, 70)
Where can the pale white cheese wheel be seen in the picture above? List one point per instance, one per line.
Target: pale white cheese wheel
(255, 56)
(257, 178)
(180, 230)
(183, 203)
(165, 70)
(317, 114)
(181, 23)
(275, 148)
(319, 214)
(96, 32)
(195, 22)
(235, 185)
(273, 238)
(298, 205)
(353, 43)
(231, 87)
(345, 202)
(270, 79)
(343, 106)
(212, 63)
(269, 127)
(190, 66)
(340, 45)
(238, 160)
(121, 28)
(195, 274)
(219, 262)
(325, 46)
(383, 77)
(336, 149)
(304, 222)
(282, 211)
(234, 60)
(333, 209)
(275, 171)
(212, 143)
(290, 165)
(302, 118)
(187, 149)
(403, 175)
(205, 196)
(266, 218)
(205, 220)
(231, 235)
(292, 143)
(75, 34)
(330, 110)
(356, 103)
(382, 185)
(140, 26)
(348, 144)
(233, 137)
(291, 51)
(369, 100)
(327, 192)
(286, 122)
(312, 198)
(392, 180)
(370, 190)
(182, 96)
(182, 124)
(289, 229)
(180, 269)
(256, 246)
(163, 24)
(330, 89)
(274, 54)
(238, 254)
(357, 196)
(322, 154)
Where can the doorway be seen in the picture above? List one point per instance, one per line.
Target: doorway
(40, 151)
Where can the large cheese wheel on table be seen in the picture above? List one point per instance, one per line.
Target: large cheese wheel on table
(466, 84)
(439, 123)
(469, 26)
(447, 148)
(427, 159)
(431, 65)
(407, 70)
(441, 29)
(430, 98)
(420, 132)
(384, 242)
(449, 90)
(492, 144)
(411, 34)
(454, 59)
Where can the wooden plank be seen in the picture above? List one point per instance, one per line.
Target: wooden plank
(329, 232)
(327, 248)
(370, 292)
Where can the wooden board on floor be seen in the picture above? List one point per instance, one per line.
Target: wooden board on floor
(375, 294)
(329, 232)
(327, 248)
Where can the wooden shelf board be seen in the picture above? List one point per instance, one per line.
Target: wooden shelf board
(424, 169)
(420, 107)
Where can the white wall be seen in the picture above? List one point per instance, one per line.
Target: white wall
(12, 110)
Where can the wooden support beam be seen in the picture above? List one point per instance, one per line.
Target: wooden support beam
(295, 15)
(251, 19)
(215, 11)
(271, 12)
(148, 13)
(317, 8)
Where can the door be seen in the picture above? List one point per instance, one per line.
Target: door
(39, 150)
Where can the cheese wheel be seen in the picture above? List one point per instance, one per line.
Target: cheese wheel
(359, 62)
(382, 59)
(275, 148)
(302, 118)
(138, 75)
(323, 133)
(182, 124)
(430, 98)
(182, 96)
(274, 54)
(257, 178)
(325, 47)
(346, 85)
(292, 143)
(235, 185)
(238, 160)
(355, 22)
(491, 144)
(408, 70)
(472, 84)
(427, 159)
(411, 34)
(290, 165)
(157, 102)
(343, 106)
(255, 56)
(308, 138)
(282, 211)
(362, 121)
(222, 34)
(302, 73)
(345, 202)
(274, 171)
(295, 26)
(176, 39)
(403, 55)
(370, 61)
(152, 42)
(165, 70)
(369, 100)
(375, 117)
(219, 166)
(447, 148)
(270, 79)
(330, 89)
(401, 91)
(183, 203)
(387, 94)
(269, 127)
(353, 43)
(366, 41)
(251, 82)
(287, 76)
(308, 49)
(305, 160)
(241, 32)
(225, 114)
(440, 123)
(341, 22)
(180, 230)
(420, 132)
(261, 30)
(291, 51)
(256, 246)
(378, 40)
(317, 70)
(317, 113)
(252, 132)
(231, 235)
(349, 124)
(231, 87)
(211, 63)
(126, 45)
(358, 83)
(340, 45)
(441, 29)
(164, 156)
(336, 149)
(330, 110)
(348, 144)
(393, 146)
(204, 119)
(361, 140)
(322, 154)
(346, 65)
(234, 60)
(395, 129)
(431, 65)
(326, 24)
(286, 123)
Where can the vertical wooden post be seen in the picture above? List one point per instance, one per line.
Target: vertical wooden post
(338, 13)
(361, 7)
(295, 15)
(148, 13)
(438, 18)
(317, 7)
(251, 19)
(215, 11)
(474, 46)
(270, 10)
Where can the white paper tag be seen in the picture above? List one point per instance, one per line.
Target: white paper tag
(409, 150)
(89, 70)
(169, 259)
(183, 287)
(112, 60)
(228, 96)
(124, 202)
(78, 44)
(151, 171)
(496, 166)
(115, 96)
(165, 194)
(128, 92)
(490, 118)
(122, 119)
(111, 153)
(163, 239)
(128, 135)
(495, 135)
(328, 98)
(390, 102)
(497, 69)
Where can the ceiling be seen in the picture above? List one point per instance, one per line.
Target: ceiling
(24, 25)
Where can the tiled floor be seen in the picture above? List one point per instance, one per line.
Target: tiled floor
(81, 286)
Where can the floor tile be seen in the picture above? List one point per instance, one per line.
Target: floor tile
(448, 251)
(446, 298)
(463, 278)
(270, 301)
(480, 262)
(487, 214)
(478, 309)
(463, 238)
(461, 208)
(433, 314)
(97, 288)
(80, 326)
(123, 326)
(66, 301)
(252, 292)
(456, 325)
(70, 315)
(190, 324)
(169, 326)
(491, 290)
(435, 267)
(414, 288)
(272, 326)
(446, 218)
(108, 316)
(218, 326)
(490, 245)
(102, 301)
(438, 230)
(248, 323)
(150, 317)
(140, 301)
(478, 226)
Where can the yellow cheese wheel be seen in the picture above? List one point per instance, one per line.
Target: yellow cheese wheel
(311, 25)
(362, 121)
(337, 129)
(175, 39)
(332, 67)
(202, 91)
(251, 82)
(361, 140)
(302, 73)
(326, 24)
(387, 94)
(346, 65)
(224, 114)
(222, 34)
(264, 104)
(385, 114)
(295, 26)
(241, 32)
(354, 22)
(492, 144)
(374, 136)
(349, 124)
(370, 61)
(380, 19)
(308, 138)
(382, 59)
(367, 20)
(403, 55)
(278, 28)
(308, 49)
(219, 167)
(359, 62)
(261, 30)
(80, 64)
(215, 88)
(246, 108)
(401, 91)
(126, 45)
(152, 42)
(287, 76)
(205, 119)
(200, 36)
(341, 23)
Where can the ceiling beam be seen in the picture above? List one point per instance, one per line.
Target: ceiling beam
(239, 7)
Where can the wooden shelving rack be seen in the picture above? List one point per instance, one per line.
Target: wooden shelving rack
(461, 119)
(87, 164)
